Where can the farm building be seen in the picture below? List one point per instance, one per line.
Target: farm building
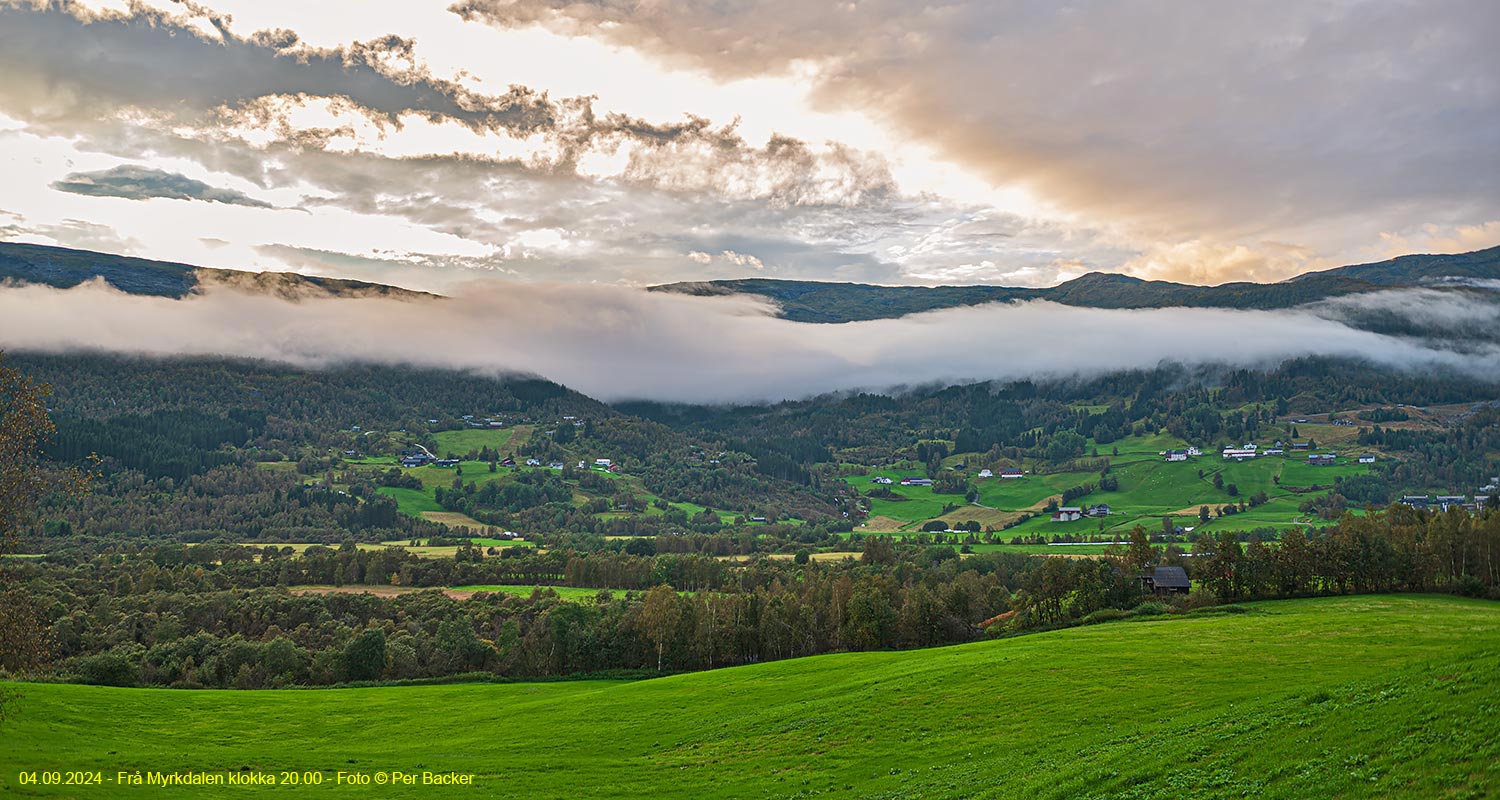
(1099, 510)
(1177, 455)
(1240, 453)
(1447, 501)
(1010, 473)
(1367, 458)
(416, 460)
(446, 462)
(1167, 580)
(507, 462)
(1416, 501)
(533, 462)
(602, 462)
(1067, 514)
(1194, 451)
(1321, 459)
(882, 480)
(1299, 445)
(555, 465)
(916, 481)
(984, 473)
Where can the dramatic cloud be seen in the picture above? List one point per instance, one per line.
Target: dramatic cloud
(637, 143)
(140, 183)
(619, 343)
(1254, 125)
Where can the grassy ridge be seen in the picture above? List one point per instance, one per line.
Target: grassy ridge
(1266, 704)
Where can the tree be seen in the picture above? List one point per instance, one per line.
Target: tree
(364, 656)
(659, 615)
(1140, 554)
(24, 425)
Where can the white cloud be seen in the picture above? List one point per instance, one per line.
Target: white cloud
(616, 343)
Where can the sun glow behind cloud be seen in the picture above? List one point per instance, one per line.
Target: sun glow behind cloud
(901, 144)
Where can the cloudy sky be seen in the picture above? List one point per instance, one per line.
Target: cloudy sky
(645, 141)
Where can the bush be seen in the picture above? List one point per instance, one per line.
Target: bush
(1150, 608)
(117, 667)
(1469, 586)
(1222, 610)
(1105, 615)
(1200, 597)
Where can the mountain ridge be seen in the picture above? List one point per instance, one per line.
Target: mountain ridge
(797, 300)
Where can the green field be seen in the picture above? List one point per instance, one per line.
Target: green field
(1383, 696)
(461, 442)
(1150, 488)
(565, 592)
(411, 501)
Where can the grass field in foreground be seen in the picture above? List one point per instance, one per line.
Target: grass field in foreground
(1384, 696)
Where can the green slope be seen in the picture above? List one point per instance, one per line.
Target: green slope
(1348, 697)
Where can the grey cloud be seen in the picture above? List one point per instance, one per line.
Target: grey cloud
(81, 234)
(72, 63)
(68, 67)
(617, 343)
(141, 183)
(1262, 122)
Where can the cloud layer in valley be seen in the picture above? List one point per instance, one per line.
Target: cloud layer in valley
(616, 343)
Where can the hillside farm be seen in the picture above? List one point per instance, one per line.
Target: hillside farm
(1149, 489)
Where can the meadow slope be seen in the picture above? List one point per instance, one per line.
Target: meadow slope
(1375, 696)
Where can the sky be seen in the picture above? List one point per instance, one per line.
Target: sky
(630, 143)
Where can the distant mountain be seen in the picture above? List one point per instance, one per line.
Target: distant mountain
(63, 267)
(1421, 269)
(798, 301)
(813, 301)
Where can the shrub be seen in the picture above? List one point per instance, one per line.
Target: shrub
(1105, 615)
(117, 667)
(1150, 608)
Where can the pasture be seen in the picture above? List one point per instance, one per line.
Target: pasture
(461, 442)
(1356, 697)
(1149, 488)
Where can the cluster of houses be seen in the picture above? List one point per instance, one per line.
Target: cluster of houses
(1442, 502)
(1250, 450)
(1180, 455)
(1072, 513)
(1009, 473)
(423, 458)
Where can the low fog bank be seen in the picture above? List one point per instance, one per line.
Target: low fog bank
(617, 344)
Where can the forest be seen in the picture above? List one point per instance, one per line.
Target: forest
(232, 616)
(232, 505)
